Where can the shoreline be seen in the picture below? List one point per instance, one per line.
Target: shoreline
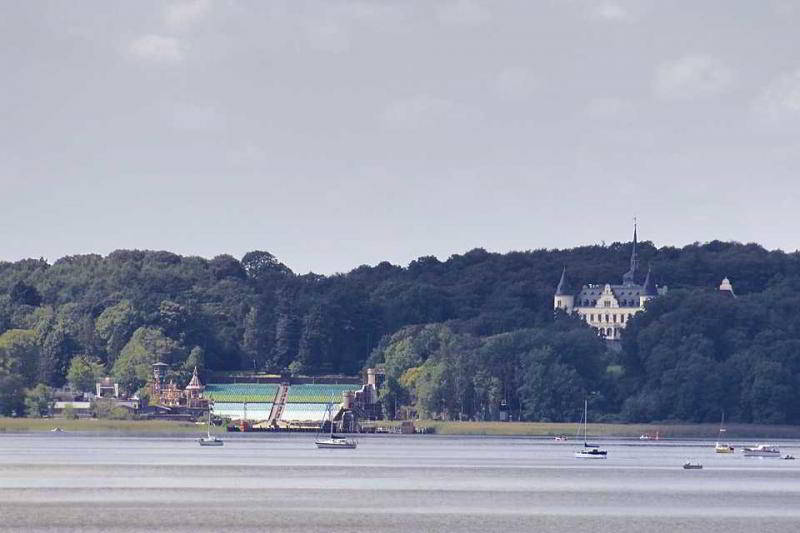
(494, 429)
(626, 431)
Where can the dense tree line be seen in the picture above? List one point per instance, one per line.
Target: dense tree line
(481, 324)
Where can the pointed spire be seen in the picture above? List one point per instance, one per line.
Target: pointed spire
(630, 276)
(194, 383)
(563, 288)
(649, 285)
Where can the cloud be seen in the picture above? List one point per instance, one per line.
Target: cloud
(156, 49)
(194, 117)
(608, 108)
(692, 77)
(425, 110)
(514, 84)
(182, 15)
(464, 13)
(326, 36)
(611, 12)
(779, 101)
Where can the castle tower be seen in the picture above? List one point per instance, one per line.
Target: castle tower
(649, 290)
(564, 297)
(194, 390)
(726, 287)
(159, 373)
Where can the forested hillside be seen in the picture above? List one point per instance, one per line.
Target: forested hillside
(457, 336)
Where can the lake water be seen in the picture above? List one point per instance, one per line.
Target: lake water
(393, 483)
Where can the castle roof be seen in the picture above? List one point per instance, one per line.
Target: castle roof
(623, 293)
(726, 286)
(563, 288)
(194, 383)
(649, 285)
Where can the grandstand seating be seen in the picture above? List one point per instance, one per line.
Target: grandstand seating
(309, 394)
(304, 412)
(235, 410)
(241, 392)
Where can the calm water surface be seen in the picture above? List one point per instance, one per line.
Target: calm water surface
(262, 482)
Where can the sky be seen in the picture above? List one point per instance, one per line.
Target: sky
(339, 133)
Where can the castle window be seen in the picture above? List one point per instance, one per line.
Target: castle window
(594, 303)
(606, 304)
(615, 317)
(607, 320)
(592, 317)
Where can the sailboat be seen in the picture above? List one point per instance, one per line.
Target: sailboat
(589, 451)
(333, 441)
(722, 447)
(209, 439)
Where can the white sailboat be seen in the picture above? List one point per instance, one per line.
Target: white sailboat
(589, 451)
(333, 441)
(209, 439)
(722, 447)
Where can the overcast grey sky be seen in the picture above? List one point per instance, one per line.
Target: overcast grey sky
(337, 133)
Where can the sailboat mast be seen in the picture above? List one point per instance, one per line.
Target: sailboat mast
(585, 416)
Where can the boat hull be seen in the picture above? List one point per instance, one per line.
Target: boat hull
(589, 455)
(347, 445)
(723, 448)
(761, 450)
(211, 442)
(759, 453)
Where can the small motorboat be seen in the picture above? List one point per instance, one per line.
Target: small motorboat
(788, 457)
(688, 465)
(560, 438)
(57, 430)
(762, 450)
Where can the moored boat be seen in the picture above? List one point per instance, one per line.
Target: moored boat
(209, 439)
(333, 441)
(722, 447)
(762, 450)
(589, 451)
(336, 442)
(688, 465)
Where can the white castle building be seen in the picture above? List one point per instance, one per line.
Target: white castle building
(608, 308)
